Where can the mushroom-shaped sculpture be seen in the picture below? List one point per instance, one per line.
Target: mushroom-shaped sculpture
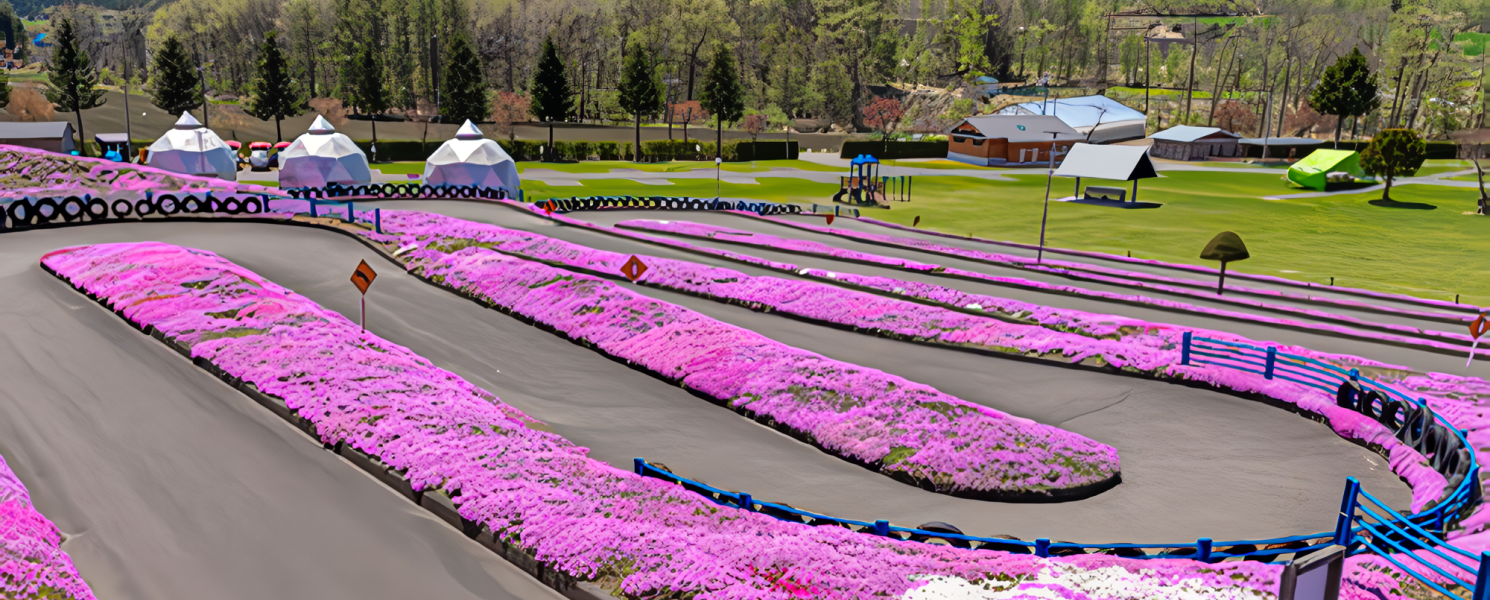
(471, 159)
(322, 156)
(1225, 247)
(192, 149)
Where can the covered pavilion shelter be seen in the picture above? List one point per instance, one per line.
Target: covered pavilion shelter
(193, 149)
(1117, 163)
(1099, 118)
(1314, 171)
(472, 160)
(322, 156)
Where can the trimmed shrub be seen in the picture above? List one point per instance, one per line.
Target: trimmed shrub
(890, 150)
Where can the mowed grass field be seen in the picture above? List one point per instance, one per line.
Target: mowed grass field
(1431, 250)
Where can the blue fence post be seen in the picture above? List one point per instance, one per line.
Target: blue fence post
(1185, 350)
(637, 465)
(1355, 377)
(312, 207)
(150, 195)
(1482, 580)
(1343, 535)
(882, 528)
(746, 502)
(378, 220)
(1042, 547)
(1267, 371)
(1203, 550)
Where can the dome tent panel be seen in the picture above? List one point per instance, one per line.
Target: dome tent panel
(322, 156)
(471, 159)
(192, 149)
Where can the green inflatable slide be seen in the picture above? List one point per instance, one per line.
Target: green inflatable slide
(1313, 172)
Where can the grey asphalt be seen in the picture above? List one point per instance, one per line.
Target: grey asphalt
(170, 484)
(1419, 359)
(1189, 469)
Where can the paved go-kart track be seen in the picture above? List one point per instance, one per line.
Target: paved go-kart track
(178, 486)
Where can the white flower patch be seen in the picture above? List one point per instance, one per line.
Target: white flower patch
(974, 306)
(1057, 582)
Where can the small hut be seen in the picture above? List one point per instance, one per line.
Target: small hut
(471, 159)
(1113, 163)
(193, 149)
(1188, 142)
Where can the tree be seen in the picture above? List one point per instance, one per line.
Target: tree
(72, 82)
(275, 94)
(173, 81)
(722, 94)
(754, 124)
(883, 114)
(4, 89)
(552, 98)
(1347, 88)
(1393, 153)
(509, 108)
(465, 86)
(639, 94)
(369, 95)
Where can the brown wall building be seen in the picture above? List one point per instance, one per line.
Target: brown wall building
(988, 140)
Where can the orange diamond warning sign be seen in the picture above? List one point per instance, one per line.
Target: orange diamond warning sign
(363, 276)
(633, 269)
(1478, 327)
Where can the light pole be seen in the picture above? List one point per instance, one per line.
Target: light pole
(1045, 213)
(129, 149)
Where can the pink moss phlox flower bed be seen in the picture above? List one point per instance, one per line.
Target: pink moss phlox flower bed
(1454, 342)
(643, 536)
(39, 173)
(1203, 270)
(32, 563)
(900, 426)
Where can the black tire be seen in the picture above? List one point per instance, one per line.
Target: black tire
(258, 206)
(22, 214)
(146, 207)
(1345, 397)
(1366, 405)
(69, 203)
(41, 215)
(166, 209)
(122, 208)
(232, 206)
(426, 191)
(1391, 413)
(191, 204)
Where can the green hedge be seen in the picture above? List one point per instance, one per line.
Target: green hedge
(885, 151)
(1436, 150)
(734, 150)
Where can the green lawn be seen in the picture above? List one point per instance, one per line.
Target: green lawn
(1431, 253)
(1425, 245)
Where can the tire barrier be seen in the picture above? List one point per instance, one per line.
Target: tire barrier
(399, 191)
(1274, 550)
(566, 205)
(29, 213)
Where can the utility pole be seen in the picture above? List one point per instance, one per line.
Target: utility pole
(1148, 66)
(1045, 213)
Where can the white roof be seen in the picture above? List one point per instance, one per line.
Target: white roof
(1082, 113)
(1020, 128)
(192, 149)
(322, 156)
(1121, 163)
(1282, 141)
(470, 159)
(1190, 133)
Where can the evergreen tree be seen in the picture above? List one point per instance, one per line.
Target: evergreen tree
(72, 82)
(1347, 88)
(173, 82)
(640, 94)
(275, 95)
(4, 89)
(369, 96)
(552, 98)
(722, 94)
(1393, 153)
(465, 86)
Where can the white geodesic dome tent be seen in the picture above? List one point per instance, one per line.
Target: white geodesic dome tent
(322, 156)
(471, 159)
(194, 150)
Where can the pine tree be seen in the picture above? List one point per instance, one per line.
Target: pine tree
(369, 94)
(552, 98)
(465, 86)
(4, 89)
(275, 94)
(72, 82)
(173, 81)
(640, 95)
(1347, 88)
(722, 94)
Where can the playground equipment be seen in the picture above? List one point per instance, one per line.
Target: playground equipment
(864, 186)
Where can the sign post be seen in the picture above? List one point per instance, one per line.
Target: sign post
(1476, 329)
(363, 277)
